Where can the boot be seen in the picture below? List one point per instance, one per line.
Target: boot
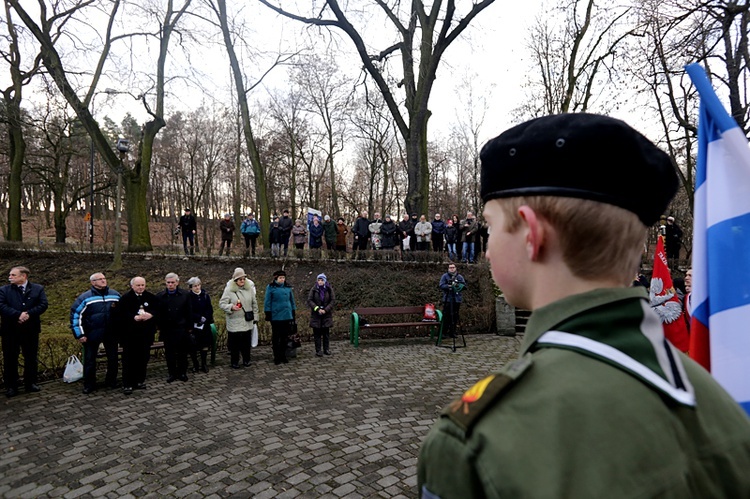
(194, 357)
(221, 250)
(247, 253)
(192, 251)
(204, 367)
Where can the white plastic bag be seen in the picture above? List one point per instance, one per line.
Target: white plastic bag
(73, 370)
(254, 337)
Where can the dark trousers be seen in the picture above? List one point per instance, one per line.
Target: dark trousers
(136, 352)
(188, 236)
(176, 347)
(450, 318)
(360, 243)
(321, 333)
(412, 242)
(90, 349)
(285, 244)
(20, 342)
(238, 343)
(250, 240)
(279, 337)
(227, 243)
(437, 242)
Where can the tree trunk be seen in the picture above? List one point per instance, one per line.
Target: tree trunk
(261, 194)
(17, 153)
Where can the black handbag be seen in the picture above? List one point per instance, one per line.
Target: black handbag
(249, 314)
(295, 341)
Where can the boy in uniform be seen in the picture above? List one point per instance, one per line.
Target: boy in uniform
(599, 404)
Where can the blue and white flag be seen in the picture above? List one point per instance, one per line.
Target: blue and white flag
(720, 296)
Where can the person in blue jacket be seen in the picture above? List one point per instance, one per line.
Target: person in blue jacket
(91, 325)
(279, 308)
(250, 230)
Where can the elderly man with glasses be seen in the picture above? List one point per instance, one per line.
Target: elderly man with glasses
(90, 320)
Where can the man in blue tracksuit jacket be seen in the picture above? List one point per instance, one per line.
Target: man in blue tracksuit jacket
(91, 325)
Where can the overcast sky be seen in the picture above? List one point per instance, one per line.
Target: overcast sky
(491, 54)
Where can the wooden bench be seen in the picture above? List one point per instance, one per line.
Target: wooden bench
(159, 345)
(360, 320)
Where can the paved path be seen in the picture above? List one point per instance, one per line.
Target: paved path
(349, 425)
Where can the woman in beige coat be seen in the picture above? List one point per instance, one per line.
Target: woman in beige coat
(239, 303)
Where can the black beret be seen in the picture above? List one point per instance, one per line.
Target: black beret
(580, 155)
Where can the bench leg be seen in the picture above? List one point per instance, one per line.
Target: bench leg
(354, 330)
(215, 337)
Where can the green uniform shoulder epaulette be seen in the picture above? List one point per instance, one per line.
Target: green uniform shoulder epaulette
(466, 410)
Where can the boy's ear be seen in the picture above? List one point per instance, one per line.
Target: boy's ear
(534, 231)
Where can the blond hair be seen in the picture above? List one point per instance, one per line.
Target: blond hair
(597, 240)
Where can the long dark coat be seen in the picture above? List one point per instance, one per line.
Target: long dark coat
(313, 300)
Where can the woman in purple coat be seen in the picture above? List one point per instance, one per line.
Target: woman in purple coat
(321, 301)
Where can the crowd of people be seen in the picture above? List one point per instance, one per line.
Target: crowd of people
(460, 240)
(127, 325)
(183, 318)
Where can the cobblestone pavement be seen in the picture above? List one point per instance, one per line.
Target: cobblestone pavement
(349, 425)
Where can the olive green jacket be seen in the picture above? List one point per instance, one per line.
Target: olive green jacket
(598, 405)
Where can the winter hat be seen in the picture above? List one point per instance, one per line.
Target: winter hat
(565, 155)
(238, 272)
(322, 276)
(327, 218)
(279, 273)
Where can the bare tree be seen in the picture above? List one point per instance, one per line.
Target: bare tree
(242, 87)
(575, 53)
(424, 33)
(136, 178)
(325, 91)
(714, 34)
(12, 97)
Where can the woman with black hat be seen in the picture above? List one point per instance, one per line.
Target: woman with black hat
(279, 307)
(239, 303)
(201, 337)
(321, 301)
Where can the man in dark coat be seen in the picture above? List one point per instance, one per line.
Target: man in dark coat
(329, 228)
(227, 228)
(361, 231)
(136, 314)
(452, 285)
(92, 325)
(438, 229)
(672, 240)
(285, 225)
(187, 225)
(412, 236)
(21, 304)
(175, 323)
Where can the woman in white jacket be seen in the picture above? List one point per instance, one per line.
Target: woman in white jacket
(423, 231)
(240, 305)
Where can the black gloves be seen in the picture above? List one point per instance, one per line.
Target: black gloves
(294, 317)
(268, 316)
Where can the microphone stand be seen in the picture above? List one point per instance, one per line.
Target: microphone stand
(453, 326)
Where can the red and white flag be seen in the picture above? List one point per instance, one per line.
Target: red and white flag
(665, 302)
